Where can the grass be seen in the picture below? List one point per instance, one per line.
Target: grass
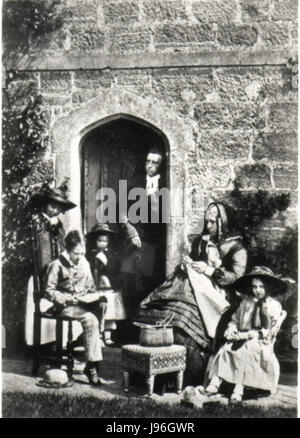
(39, 405)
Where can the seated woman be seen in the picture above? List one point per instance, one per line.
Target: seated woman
(196, 293)
(247, 358)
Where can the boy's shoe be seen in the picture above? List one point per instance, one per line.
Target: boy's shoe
(91, 372)
(108, 341)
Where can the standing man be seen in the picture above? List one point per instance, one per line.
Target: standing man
(143, 266)
(68, 277)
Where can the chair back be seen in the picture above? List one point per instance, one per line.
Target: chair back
(276, 326)
(39, 266)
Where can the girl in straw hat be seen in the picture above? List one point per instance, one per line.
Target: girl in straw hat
(247, 358)
(98, 240)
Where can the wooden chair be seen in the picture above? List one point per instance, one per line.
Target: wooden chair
(274, 330)
(61, 355)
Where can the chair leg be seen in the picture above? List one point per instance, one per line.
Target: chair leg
(70, 360)
(36, 344)
(59, 335)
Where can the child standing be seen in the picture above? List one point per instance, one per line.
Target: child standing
(98, 241)
(247, 358)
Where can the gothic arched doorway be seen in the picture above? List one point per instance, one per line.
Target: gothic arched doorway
(116, 150)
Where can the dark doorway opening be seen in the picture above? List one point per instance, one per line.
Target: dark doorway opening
(116, 150)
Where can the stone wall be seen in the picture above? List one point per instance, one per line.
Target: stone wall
(96, 32)
(220, 67)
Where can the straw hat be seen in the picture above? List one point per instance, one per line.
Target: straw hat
(100, 229)
(58, 195)
(277, 285)
(55, 378)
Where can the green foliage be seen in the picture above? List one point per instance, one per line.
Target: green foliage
(27, 24)
(26, 129)
(25, 140)
(253, 209)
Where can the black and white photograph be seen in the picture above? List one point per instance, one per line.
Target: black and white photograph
(149, 211)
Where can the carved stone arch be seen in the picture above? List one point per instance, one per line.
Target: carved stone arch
(69, 131)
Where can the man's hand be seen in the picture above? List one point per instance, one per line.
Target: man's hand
(136, 241)
(199, 267)
(72, 301)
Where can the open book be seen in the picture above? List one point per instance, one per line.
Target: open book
(93, 296)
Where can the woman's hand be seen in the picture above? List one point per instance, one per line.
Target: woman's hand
(187, 260)
(231, 334)
(199, 267)
(253, 334)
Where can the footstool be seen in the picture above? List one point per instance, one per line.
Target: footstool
(152, 361)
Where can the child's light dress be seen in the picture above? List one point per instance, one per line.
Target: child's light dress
(249, 362)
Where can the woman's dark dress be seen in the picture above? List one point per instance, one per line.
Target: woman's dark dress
(176, 296)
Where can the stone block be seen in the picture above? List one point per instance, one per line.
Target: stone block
(169, 84)
(184, 34)
(83, 95)
(209, 175)
(294, 199)
(253, 176)
(277, 85)
(255, 10)
(138, 81)
(121, 12)
(86, 38)
(255, 84)
(160, 10)
(54, 99)
(81, 10)
(276, 146)
(217, 195)
(239, 83)
(286, 176)
(56, 81)
(92, 79)
(284, 10)
(237, 35)
(228, 116)
(283, 116)
(275, 34)
(218, 11)
(122, 40)
(294, 32)
(224, 145)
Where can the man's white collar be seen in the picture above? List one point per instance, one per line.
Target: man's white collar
(153, 178)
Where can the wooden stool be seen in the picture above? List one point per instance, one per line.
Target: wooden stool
(152, 361)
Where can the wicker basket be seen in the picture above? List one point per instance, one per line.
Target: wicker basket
(156, 336)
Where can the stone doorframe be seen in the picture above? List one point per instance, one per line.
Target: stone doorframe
(69, 131)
